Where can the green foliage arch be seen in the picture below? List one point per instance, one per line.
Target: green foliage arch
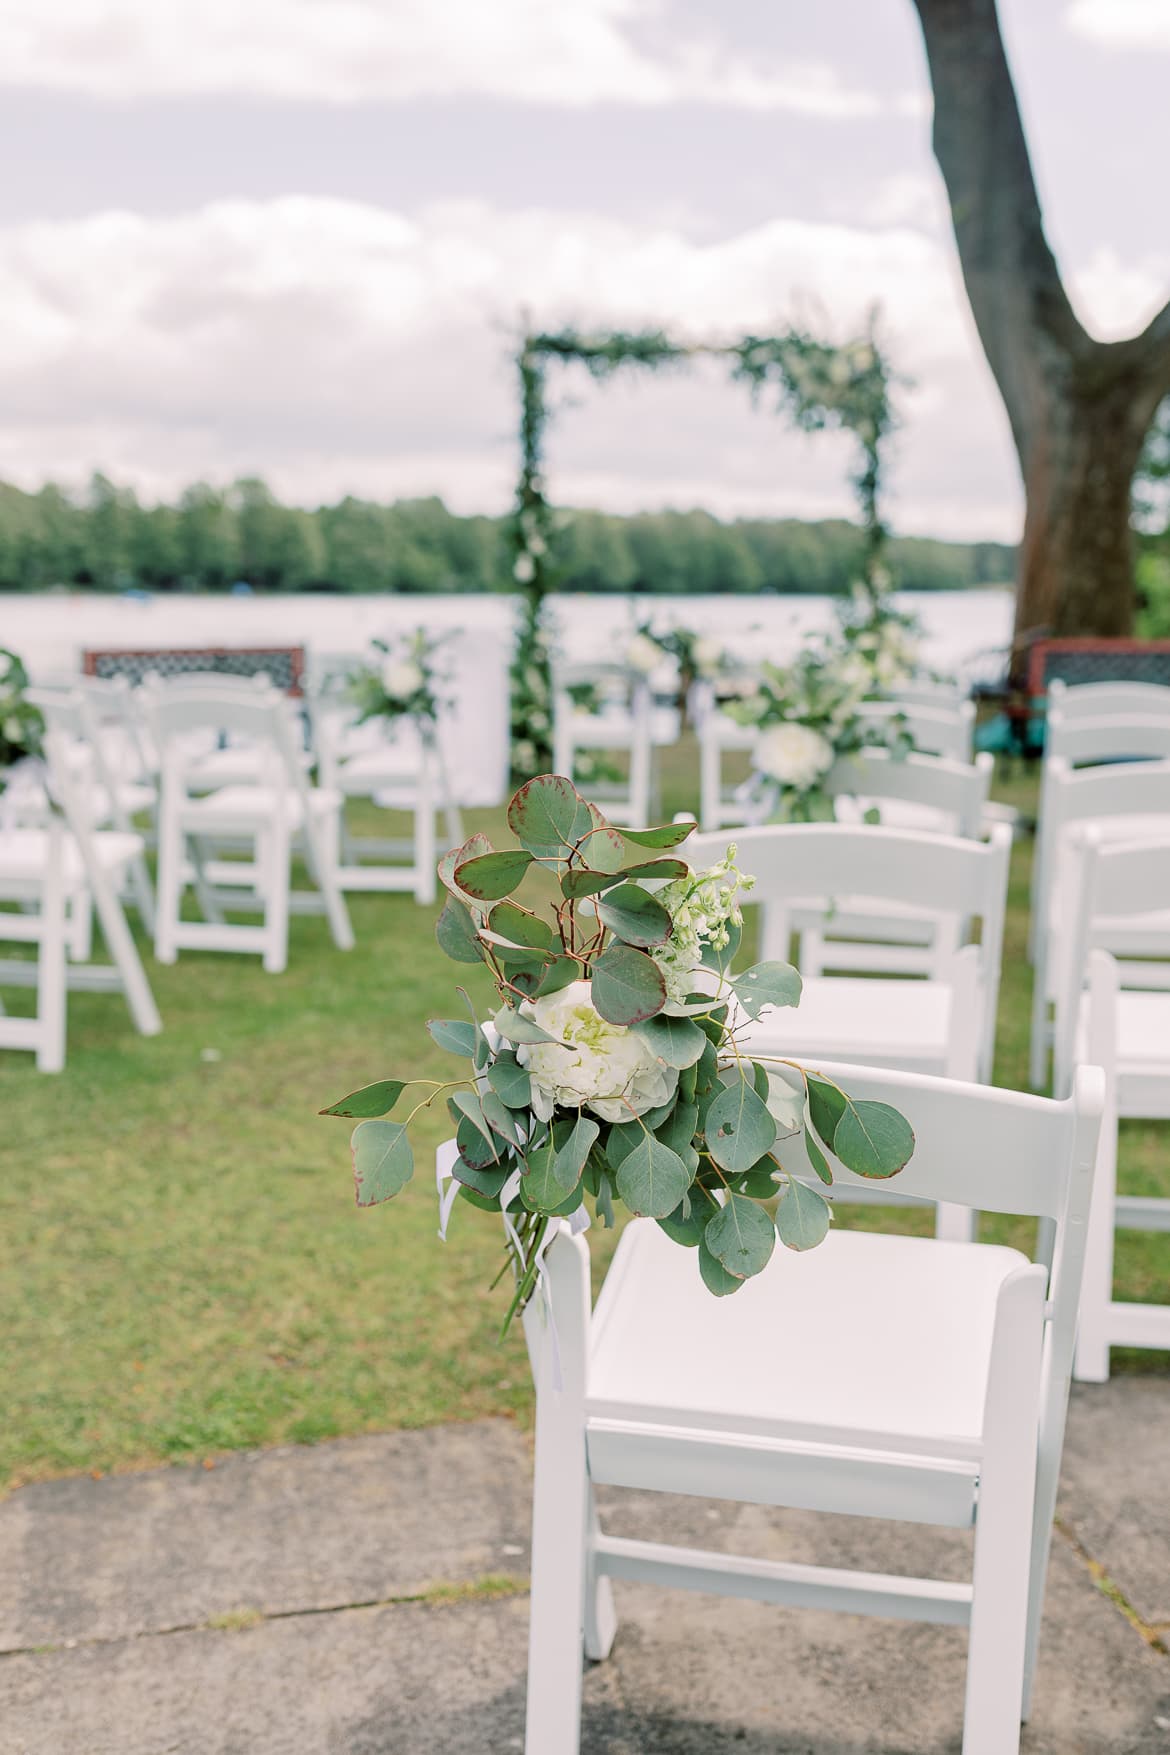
(816, 385)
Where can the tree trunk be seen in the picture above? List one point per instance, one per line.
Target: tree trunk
(1076, 559)
(1079, 408)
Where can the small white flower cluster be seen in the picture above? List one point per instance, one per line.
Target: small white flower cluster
(794, 754)
(644, 654)
(703, 906)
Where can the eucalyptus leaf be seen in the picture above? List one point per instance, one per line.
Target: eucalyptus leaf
(499, 1117)
(605, 1210)
(376, 1099)
(785, 1104)
(652, 1179)
(803, 1216)
(715, 1276)
(518, 927)
(738, 1127)
(456, 935)
(678, 1042)
(766, 984)
(476, 1148)
(472, 848)
(741, 1236)
(469, 1106)
(383, 1161)
(817, 1158)
(633, 915)
(486, 1182)
(573, 1150)
(510, 1081)
(667, 835)
(491, 875)
(627, 985)
(513, 1026)
(556, 974)
(688, 1221)
(873, 1139)
(456, 1035)
(621, 1141)
(826, 1106)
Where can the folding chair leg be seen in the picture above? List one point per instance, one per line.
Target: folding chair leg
(122, 949)
(273, 859)
(1092, 1355)
(51, 995)
(601, 1622)
(204, 889)
(80, 929)
(142, 892)
(169, 893)
(1005, 1528)
(1038, 1062)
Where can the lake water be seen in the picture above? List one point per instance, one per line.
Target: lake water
(51, 631)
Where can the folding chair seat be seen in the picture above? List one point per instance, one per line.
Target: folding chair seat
(877, 1376)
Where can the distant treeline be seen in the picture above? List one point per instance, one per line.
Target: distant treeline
(214, 538)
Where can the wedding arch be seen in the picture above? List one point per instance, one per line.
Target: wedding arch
(817, 385)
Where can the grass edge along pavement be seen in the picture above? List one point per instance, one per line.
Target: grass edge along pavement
(182, 1268)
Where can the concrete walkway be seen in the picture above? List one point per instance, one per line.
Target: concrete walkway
(367, 1597)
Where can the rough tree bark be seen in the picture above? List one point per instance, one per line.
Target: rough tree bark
(1079, 408)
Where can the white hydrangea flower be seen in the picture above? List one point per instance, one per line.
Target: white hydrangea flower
(643, 654)
(401, 678)
(793, 753)
(605, 1068)
(524, 569)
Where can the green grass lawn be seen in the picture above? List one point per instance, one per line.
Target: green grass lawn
(182, 1268)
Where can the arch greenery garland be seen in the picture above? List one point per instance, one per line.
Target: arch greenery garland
(817, 385)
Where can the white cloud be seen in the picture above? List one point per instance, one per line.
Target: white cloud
(570, 52)
(338, 347)
(1117, 298)
(1122, 24)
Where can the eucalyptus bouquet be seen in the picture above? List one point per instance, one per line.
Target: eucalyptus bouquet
(613, 1066)
(809, 715)
(403, 684)
(21, 724)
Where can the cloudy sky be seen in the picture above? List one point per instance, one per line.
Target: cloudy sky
(294, 237)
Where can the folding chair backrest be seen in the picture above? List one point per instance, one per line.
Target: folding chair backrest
(1104, 881)
(255, 715)
(1105, 699)
(1138, 789)
(1081, 741)
(957, 790)
(935, 731)
(806, 861)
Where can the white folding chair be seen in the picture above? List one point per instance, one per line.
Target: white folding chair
(1127, 1030)
(41, 869)
(268, 815)
(108, 799)
(623, 726)
(399, 767)
(1129, 801)
(934, 731)
(876, 1375)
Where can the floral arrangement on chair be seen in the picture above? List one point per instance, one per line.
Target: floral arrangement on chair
(698, 657)
(888, 640)
(21, 724)
(808, 715)
(403, 685)
(611, 1064)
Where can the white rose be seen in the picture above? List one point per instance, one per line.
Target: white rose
(708, 656)
(643, 654)
(605, 1068)
(401, 678)
(792, 753)
(525, 569)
